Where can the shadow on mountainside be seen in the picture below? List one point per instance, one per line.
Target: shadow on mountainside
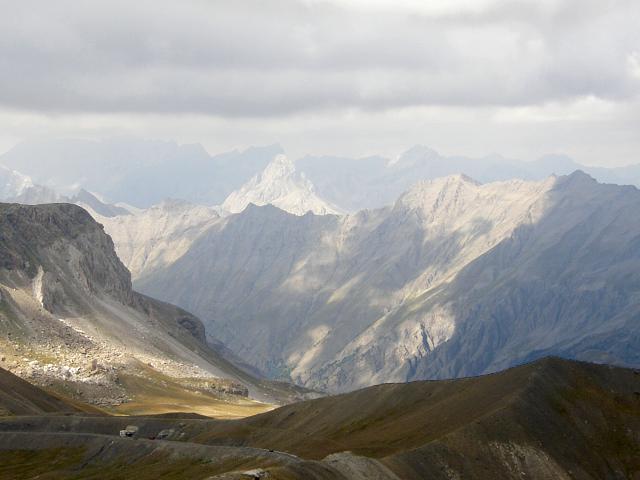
(567, 285)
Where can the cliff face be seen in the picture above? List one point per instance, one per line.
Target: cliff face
(64, 253)
(69, 317)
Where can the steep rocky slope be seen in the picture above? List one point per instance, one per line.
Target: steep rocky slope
(456, 278)
(552, 419)
(149, 239)
(71, 321)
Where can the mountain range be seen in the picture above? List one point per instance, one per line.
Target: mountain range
(137, 172)
(448, 277)
(361, 287)
(456, 278)
(143, 173)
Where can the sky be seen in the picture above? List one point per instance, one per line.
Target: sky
(341, 77)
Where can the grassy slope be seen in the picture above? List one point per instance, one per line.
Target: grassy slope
(546, 419)
(161, 394)
(553, 419)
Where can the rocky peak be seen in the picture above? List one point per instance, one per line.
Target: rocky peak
(578, 179)
(281, 166)
(439, 194)
(419, 154)
(65, 250)
(281, 185)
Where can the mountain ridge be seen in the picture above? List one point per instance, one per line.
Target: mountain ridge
(369, 297)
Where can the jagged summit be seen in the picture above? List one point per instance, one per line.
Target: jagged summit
(281, 185)
(460, 200)
(577, 179)
(416, 155)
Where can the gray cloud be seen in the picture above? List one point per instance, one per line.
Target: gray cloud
(251, 58)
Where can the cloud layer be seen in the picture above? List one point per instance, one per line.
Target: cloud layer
(347, 77)
(251, 58)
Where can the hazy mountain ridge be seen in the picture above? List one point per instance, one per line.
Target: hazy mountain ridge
(145, 172)
(138, 172)
(387, 295)
(373, 182)
(148, 239)
(350, 300)
(19, 188)
(567, 283)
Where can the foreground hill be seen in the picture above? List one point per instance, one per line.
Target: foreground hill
(552, 419)
(456, 278)
(70, 320)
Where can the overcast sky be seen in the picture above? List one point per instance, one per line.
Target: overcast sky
(351, 77)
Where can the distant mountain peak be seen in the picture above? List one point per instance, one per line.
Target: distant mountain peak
(576, 179)
(281, 185)
(415, 155)
(13, 183)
